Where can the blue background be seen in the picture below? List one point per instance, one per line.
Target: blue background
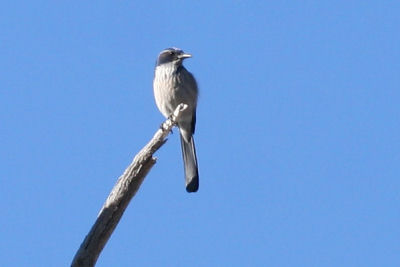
(298, 132)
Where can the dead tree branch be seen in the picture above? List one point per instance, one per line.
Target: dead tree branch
(125, 188)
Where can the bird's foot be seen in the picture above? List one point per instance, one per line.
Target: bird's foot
(163, 127)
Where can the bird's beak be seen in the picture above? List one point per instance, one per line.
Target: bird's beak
(184, 55)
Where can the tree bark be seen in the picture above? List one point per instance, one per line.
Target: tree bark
(126, 187)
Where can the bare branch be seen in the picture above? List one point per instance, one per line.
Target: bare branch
(125, 188)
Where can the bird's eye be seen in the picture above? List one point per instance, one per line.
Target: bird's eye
(171, 52)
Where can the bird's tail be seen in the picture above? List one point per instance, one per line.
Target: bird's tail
(190, 163)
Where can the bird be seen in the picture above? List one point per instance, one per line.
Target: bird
(173, 84)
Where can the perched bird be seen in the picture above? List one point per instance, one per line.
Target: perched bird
(173, 85)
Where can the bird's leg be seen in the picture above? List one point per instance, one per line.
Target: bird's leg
(172, 118)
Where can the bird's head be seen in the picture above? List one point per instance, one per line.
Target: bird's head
(172, 55)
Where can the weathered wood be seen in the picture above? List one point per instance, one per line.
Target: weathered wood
(125, 188)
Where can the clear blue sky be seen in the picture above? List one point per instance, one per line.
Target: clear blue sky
(298, 132)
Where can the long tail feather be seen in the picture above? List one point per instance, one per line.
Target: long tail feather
(190, 164)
